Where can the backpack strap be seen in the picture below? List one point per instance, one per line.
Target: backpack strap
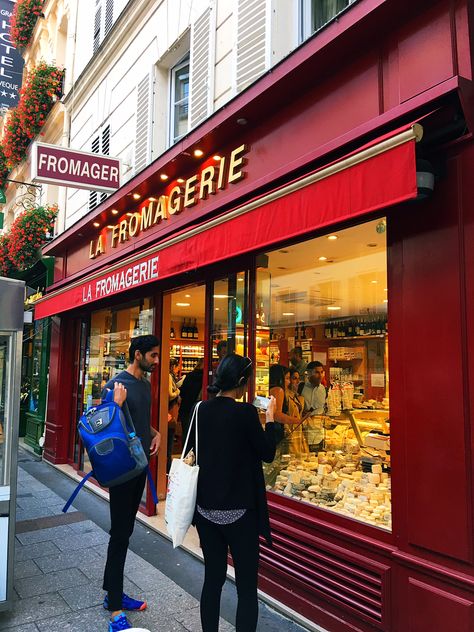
(77, 490)
(152, 485)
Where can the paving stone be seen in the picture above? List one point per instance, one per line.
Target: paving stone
(34, 551)
(191, 620)
(92, 594)
(29, 627)
(171, 600)
(46, 495)
(33, 513)
(61, 533)
(90, 620)
(50, 582)
(26, 568)
(68, 559)
(29, 503)
(75, 541)
(33, 610)
(86, 526)
(150, 580)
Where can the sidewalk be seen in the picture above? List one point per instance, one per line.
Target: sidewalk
(59, 563)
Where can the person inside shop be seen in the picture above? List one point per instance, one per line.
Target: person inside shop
(231, 510)
(174, 401)
(279, 384)
(190, 391)
(296, 439)
(315, 395)
(133, 387)
(221, 349)
(296, 360)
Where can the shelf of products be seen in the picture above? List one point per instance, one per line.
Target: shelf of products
(262, 361)
(356, 327)
(187, 354)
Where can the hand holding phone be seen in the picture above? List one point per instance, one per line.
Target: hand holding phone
(261, 402)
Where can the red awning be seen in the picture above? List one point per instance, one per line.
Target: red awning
(378, 175)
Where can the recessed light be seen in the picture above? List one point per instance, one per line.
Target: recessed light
(180, 180)
(385, 289)
(322, 259)
(334, 308)
(242, 121)
(217, 157)
(110, 226)
(130, 214)
(216, 309)
(198, 153)
(288, 313)
(183, 304)
(385, 300)
(187, 296)
(163, 176)
(240, 279)
(221, 296)
(136, 196)
(332, 237)
(374, 281)
(152, 199)
(114, 211)
(96, 224)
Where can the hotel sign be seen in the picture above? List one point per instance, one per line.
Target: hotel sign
(181, 195)
(11, 62)
(71, 168)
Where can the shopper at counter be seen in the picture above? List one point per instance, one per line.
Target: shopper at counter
(231, 508)
(296, 360)
(279, 387)
(315, 395)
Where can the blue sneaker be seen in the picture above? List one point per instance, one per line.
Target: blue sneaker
(128, 603)
(118, 623)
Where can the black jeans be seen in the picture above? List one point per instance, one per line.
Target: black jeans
(124, 503)
(241, 537)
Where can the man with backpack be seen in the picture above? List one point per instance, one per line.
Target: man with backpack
(315, 395)
(132, 387)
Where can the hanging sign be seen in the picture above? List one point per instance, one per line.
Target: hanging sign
(71, 168)
(11, 62)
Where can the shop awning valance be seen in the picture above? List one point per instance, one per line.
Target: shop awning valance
(378, 175)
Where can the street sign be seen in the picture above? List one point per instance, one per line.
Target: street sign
(72, 168)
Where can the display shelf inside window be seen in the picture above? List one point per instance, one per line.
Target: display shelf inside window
(187, 354)
(262, 361)
(350, 474)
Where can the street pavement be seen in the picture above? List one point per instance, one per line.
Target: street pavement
(59, 561)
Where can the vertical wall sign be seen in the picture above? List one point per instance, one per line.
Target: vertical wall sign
(11, 62)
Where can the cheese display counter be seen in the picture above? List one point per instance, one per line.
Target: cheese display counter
(349, 475)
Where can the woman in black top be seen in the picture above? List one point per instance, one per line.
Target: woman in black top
(231, 508)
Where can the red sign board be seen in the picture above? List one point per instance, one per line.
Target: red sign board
(71, 168)
(136, 273)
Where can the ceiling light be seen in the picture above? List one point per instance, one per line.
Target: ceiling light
(96, 224)
(180, 181)
(110, 226)
(136, 196)
(198, 153)
(163, 176)
(130, 214)
(385, 289)
(242, 121)
(240, 279)
(334, 308)
(114, 211)
(221, 296)
(217, 157)
(187, 296)
(332, 237)
(385, 300)
(323, 258)
(183, 304)
(152, 199)
(288, 314)
(374, 281)
(216, 309)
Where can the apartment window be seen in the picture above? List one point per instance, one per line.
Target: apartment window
(179, 76)
(103, 21)
(317, 13)
(100, 145)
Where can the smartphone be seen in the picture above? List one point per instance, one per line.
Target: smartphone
(261, 402)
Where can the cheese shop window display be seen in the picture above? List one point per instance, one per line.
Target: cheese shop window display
(326, 363)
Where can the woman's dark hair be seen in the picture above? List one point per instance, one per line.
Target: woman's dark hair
(293, 371)
(233, 371)
(277, 375)
(173, 362)
(142, 344)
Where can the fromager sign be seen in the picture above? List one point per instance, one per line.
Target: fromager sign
(71, 168)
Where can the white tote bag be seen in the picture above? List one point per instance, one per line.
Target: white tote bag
(182, 490)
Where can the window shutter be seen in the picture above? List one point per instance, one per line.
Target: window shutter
(109, 16)
(142, 135)
(199, 79)
(97, 25)
(94, 195)
(251, 41)
(106, 151)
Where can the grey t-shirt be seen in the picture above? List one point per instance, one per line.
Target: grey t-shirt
(139, 404)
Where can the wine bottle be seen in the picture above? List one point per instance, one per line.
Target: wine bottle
(172, 335)
(195, 330)
(184, 329)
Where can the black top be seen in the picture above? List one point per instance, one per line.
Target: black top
(232, 446)
(139, 404)
(190, 390)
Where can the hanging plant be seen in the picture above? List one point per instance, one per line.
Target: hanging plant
(30, 231)
(15, 141)
(6, 266)
(23, 21)
(4, 170)
(41, 89)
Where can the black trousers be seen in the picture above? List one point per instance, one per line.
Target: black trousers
(241, 537)
(124, 503)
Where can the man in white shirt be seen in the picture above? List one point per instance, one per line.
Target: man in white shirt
(315, 394)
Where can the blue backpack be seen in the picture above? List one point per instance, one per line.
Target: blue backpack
(115, 452)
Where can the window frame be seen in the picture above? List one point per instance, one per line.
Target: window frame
(185, 61)
(305, 19)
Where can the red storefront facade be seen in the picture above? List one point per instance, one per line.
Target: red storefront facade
(326, 147)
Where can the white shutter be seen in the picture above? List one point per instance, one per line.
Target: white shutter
(199, 73)
(105, 150)
(252, 59)
(109, 16)
(94, 195)
(142, 134)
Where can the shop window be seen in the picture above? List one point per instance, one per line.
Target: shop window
(107, 346)
(179, 106)
(317, 13)
(321, 310)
